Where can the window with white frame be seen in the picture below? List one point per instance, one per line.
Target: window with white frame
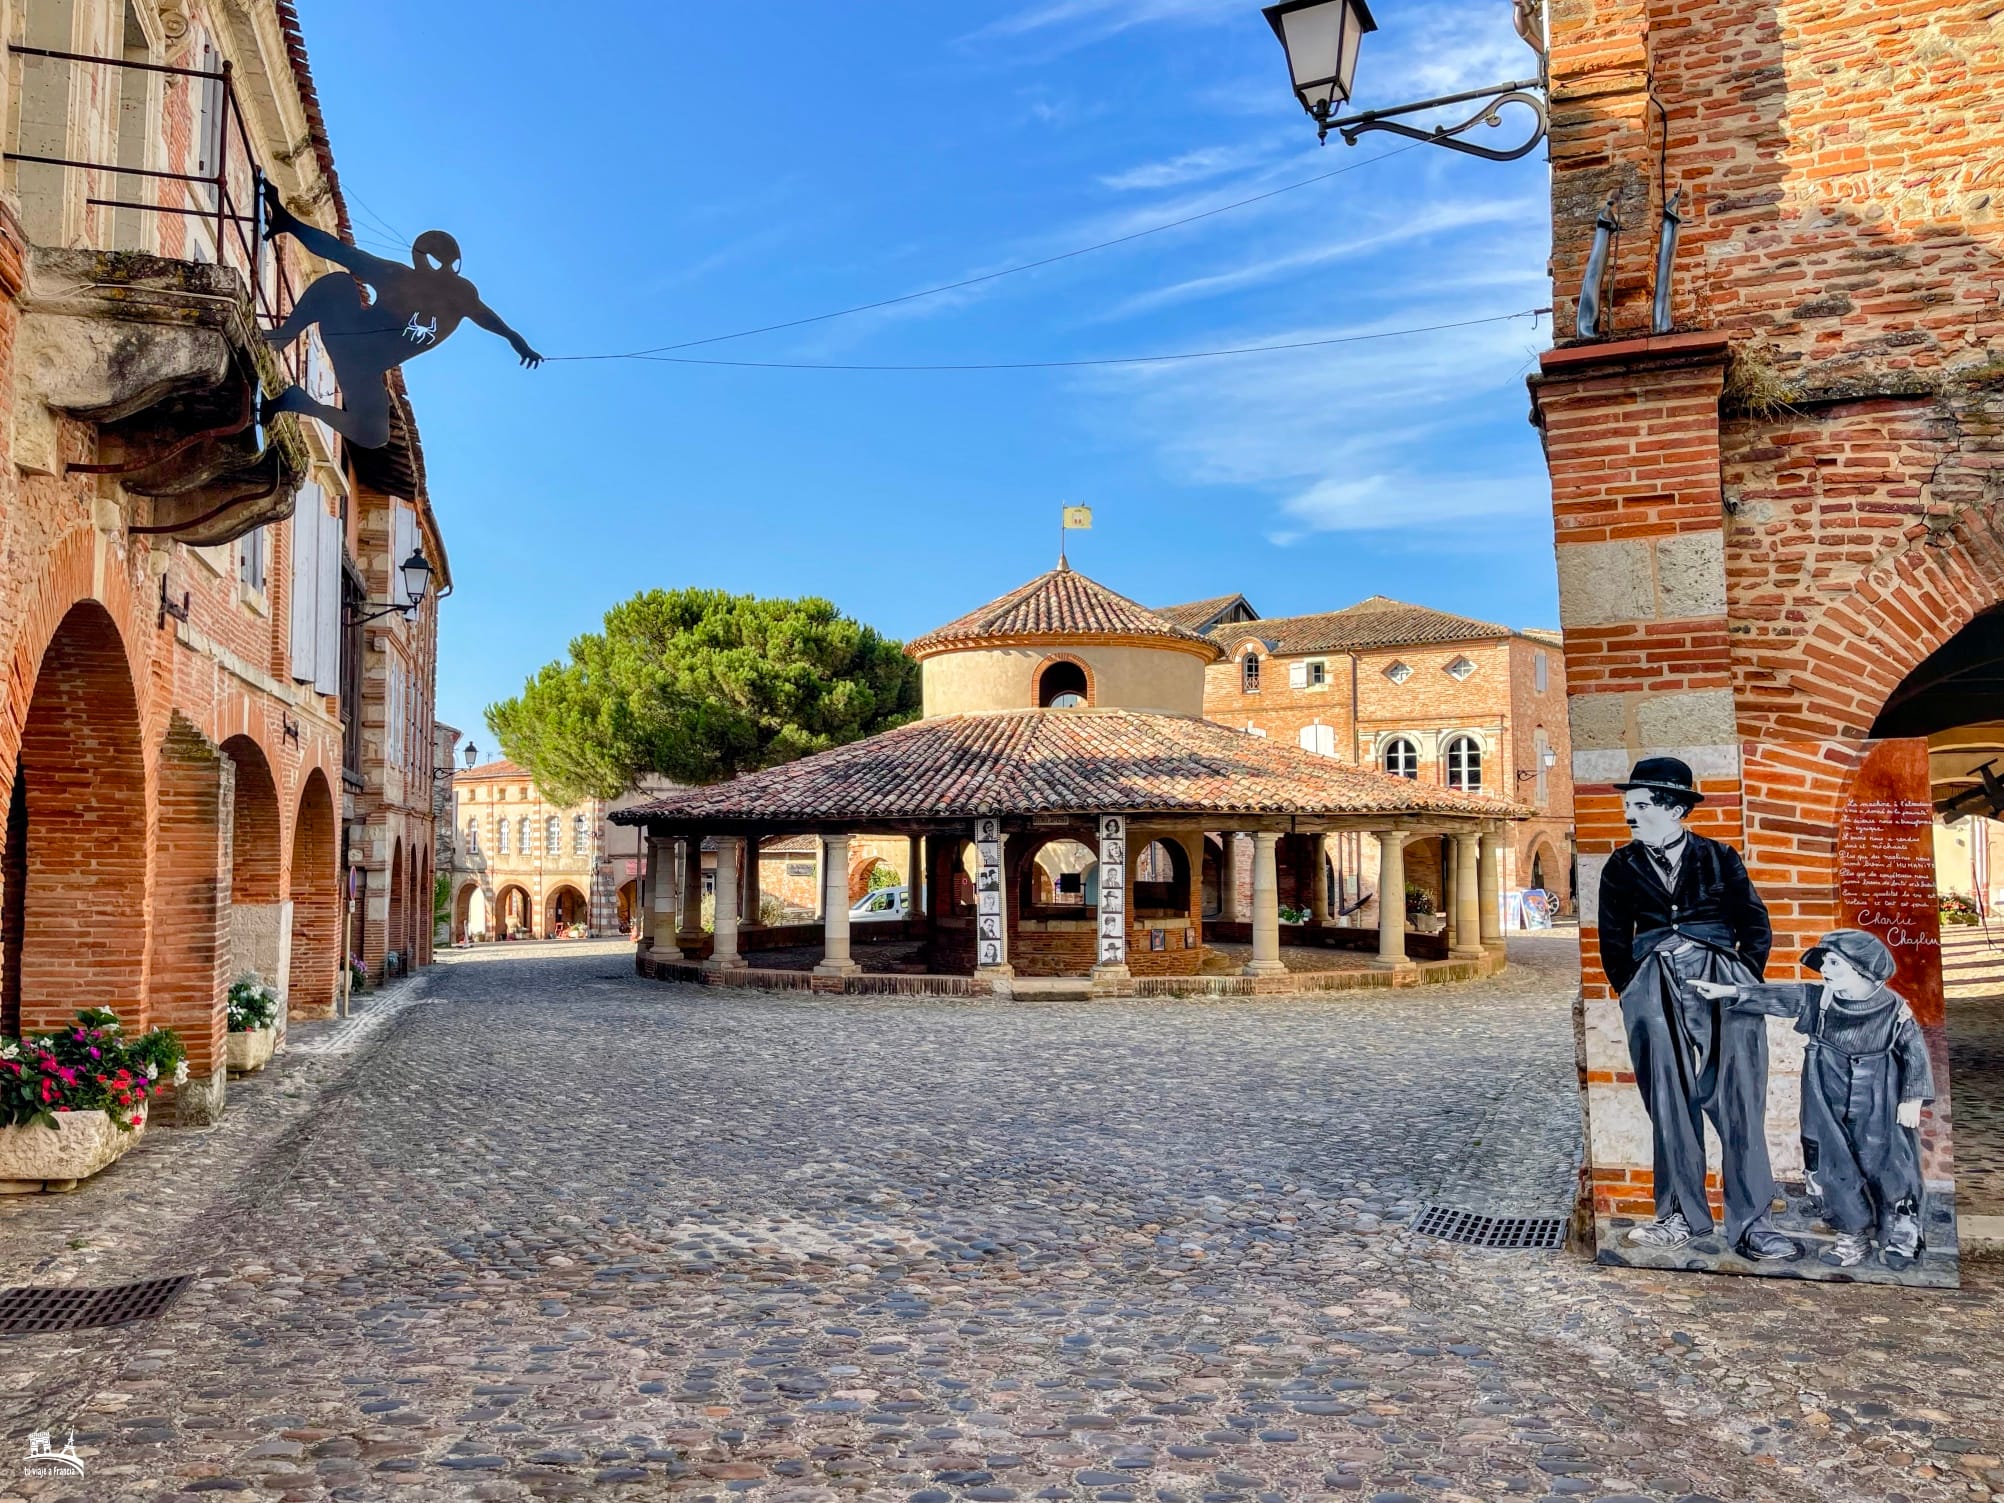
(501, 836)
(522, 829)
(1464, 764)
(1540, 671)
(580, 836)
(473, 837)
(251, 560)
(1398, 672)
(1249, 673)
(551, 842)
(1459, 669)
(1400, 757)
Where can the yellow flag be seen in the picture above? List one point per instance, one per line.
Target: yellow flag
(1078, 518)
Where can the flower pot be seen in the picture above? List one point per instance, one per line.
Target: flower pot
(251, 1049)
(34, 1158)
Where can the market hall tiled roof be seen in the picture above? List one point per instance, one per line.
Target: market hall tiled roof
(1055, 606)
(1377, 622)
(1027, 762)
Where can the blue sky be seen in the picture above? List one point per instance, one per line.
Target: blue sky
(628, 174)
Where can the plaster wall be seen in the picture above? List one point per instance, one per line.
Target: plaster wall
(984, 680)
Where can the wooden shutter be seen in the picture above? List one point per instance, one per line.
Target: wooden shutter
(327, 603)
(305, 603)
(1297, 675)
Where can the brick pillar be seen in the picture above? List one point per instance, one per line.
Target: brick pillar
(1631, 432)
(190, 960)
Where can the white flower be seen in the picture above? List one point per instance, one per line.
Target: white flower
(152, 1070)
(10, 1050)
(181, 1073)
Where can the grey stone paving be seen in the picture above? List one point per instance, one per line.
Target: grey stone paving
(556, 1230)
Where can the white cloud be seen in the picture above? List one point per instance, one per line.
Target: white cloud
(1190, 167)
(1093, 19)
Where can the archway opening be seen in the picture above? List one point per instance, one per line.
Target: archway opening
(396, 940)
(260, 935)
(626, 905)
(513, 913)
(74, 933)
(316, 904)
(1162, 880)
(1062, 685)
(1060, 877)
(469, 914)
(567, 914)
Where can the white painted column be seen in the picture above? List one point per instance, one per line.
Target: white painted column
(991, 909)
(835, 959)
(1266, 959)
(724, 951)
(1112, 963)
(1391, 896)
(1492, 889)
(1466, 936)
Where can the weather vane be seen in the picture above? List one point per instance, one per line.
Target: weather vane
(416, 308)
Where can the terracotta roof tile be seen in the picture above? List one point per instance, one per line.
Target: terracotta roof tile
(1059, 761)
(1060, 603)
(1195, 615)
(1376, 622)
(500, 767)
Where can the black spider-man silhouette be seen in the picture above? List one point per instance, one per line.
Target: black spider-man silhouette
(416, 307)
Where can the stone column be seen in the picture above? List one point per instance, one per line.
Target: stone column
(665, 876)
(689, 927)
(724, 954)
(915, 883)
(1491, 887)
(748, 879)
(1318, 846)
(1391, 896)
(1228, 880)
(1467, 928)
(1111, 965)
(1266, 959)
(649, 878)
(991, 906)
(835, 959)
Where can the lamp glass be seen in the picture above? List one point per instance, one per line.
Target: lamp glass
(416, 577)
(1320, 38)
(472, 754)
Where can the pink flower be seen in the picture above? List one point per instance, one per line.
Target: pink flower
(136, 1121)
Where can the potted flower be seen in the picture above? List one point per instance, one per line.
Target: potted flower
(1957, 909)
(71, 1102)
(358, 974)
(253, 1008)
(1419, 909)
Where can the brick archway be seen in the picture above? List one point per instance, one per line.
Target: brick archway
(565, 906)
(513, 910)
(316, 903)
(259, 931)
(75, 928)
(395, 936)
(463, 917)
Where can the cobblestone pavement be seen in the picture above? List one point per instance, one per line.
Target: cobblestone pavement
(553, 1230)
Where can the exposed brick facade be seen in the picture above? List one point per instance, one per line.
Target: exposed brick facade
(1767, 519)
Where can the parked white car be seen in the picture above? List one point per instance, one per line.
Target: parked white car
(876, 907)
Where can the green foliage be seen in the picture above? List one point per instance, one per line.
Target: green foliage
(252, 1003)
(882, 876)
(1419, 902)
(441, 899)
(1957, 909)
(699, 686)
(90, 1066)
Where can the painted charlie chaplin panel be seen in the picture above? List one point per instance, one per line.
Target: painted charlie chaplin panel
(1766, 1079)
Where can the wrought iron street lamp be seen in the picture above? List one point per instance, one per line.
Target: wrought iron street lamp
(1321, 39)
(414, 575)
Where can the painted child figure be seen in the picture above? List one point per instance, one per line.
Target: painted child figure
(1865, 1077)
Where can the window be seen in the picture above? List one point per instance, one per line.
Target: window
(522, 831)
(552, 840)
(251, 560)
(1539, 672)
(579, 842)
(1318, 673)
(1255, 730)
(1319, 738)
(473, 837)
(1464, 764)
(1401, 758)
(1062, 686)
(1398, 672)
(1459, 669)
(1249, 674)
(501, 837)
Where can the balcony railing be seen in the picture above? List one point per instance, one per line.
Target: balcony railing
(223, 199)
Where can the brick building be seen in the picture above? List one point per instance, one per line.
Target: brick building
(1440, 698)
(187, 709)
(1778, 542)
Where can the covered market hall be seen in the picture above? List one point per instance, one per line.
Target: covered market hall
(1080, 826)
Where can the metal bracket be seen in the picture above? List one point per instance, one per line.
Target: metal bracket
(1526, 92)
(288, 728)
(169, 608)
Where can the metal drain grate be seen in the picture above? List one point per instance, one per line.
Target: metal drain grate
(23, 1312)
(1515, 1233)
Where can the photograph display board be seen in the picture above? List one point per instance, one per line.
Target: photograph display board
(1112, 890)
(991, 945)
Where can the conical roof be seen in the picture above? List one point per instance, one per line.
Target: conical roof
(1060, 606)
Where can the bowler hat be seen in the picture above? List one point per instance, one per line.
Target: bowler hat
(1665, 773)
(1866, 952)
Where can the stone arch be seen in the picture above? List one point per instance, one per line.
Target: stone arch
(75, 910)
(1161, 883)
(1045, 868)
(259, 932)
(513, 909)
(395, 937)
(1060, 673)
(861, 870)
(565, 906)
(465, 921)
(315, 968)
(1543, 867)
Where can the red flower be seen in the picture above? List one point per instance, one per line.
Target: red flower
(136, 1121)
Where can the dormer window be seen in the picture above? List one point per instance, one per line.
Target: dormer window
(1249, 673)
(1062, 686)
